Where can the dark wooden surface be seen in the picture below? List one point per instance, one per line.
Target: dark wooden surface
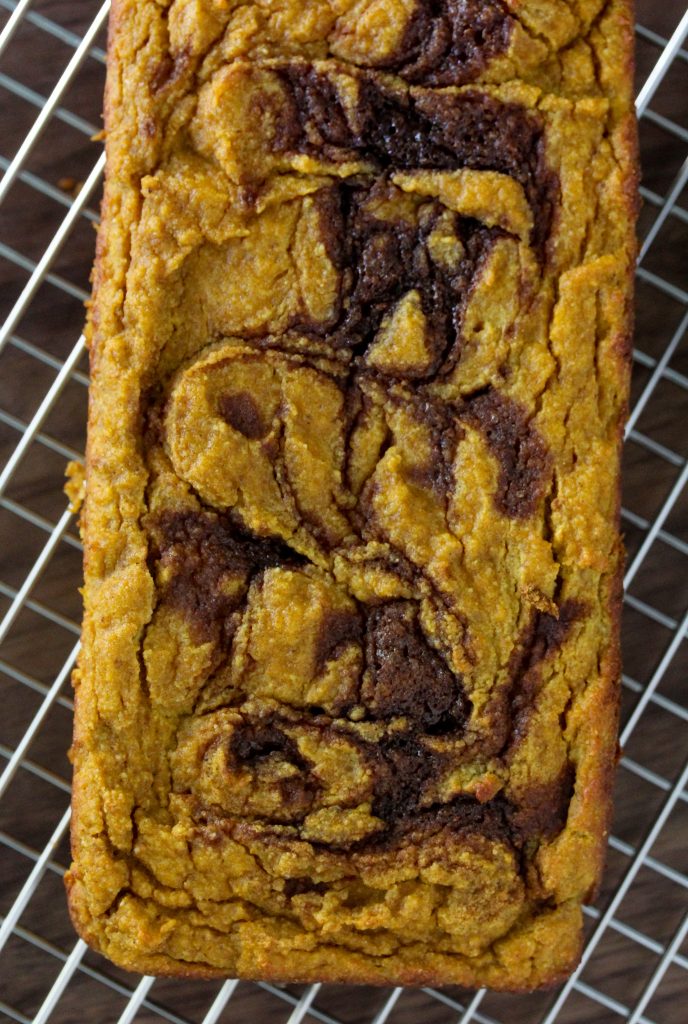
(37, 647)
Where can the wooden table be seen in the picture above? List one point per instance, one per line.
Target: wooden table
(40, 641)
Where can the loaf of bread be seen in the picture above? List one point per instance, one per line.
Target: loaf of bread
(347, 698)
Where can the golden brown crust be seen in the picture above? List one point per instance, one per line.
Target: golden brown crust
(348, 695)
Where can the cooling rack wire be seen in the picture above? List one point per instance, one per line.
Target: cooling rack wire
(635, 964)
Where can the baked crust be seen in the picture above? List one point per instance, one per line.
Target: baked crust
(347, 701)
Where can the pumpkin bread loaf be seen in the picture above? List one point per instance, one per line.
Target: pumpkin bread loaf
(347, 697)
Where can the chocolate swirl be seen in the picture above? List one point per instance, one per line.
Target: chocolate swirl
(319, 457)
(442, 42)
(400, 129)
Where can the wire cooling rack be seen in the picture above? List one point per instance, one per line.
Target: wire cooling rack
(635, 965)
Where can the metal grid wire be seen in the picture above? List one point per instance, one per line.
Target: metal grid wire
(635, 965)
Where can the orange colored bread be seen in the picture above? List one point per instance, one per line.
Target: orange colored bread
(346, 706)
